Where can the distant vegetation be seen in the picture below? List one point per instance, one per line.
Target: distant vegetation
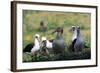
(31, 24)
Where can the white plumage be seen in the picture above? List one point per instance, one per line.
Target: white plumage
(36, 46)
(74, 33)
(48, 43)
(77, 40)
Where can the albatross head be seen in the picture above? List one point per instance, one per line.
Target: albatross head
(58, 30)
(78, 27)
(72, 29)
(37, 36)
(78, 30)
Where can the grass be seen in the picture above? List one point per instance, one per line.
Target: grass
(31, 24)
(67, 56)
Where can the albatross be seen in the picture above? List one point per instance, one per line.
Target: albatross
(58, 42)
(47, 44)
(77, 39)
(34, 46)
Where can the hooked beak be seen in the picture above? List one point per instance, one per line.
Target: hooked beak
(38, 38)
(58, 29)
(54, 31)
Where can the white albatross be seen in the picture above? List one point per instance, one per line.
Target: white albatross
(34, 46)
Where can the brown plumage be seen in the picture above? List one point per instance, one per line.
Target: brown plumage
(43, 27)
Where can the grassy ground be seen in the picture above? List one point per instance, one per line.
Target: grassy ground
(31, 24)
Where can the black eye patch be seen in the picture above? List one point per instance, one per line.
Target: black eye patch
(36, 37)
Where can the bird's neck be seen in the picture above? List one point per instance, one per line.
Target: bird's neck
(58, 35)
(36, 42)
(78, 33)
(74, 35)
